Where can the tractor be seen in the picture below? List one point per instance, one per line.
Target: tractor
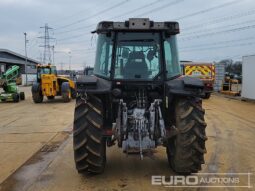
(138, 100)
(49, 84)
(8, 83)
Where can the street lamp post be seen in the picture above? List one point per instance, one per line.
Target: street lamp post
(26, 55)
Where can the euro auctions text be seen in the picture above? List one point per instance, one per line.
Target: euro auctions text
(203, 180)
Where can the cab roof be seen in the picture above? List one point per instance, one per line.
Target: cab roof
(138, 24)
(45, 66)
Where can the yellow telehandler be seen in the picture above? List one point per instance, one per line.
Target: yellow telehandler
(49, 84)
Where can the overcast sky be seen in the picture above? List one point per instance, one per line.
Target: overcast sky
(210, 30)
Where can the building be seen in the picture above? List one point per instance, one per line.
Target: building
(9, 58)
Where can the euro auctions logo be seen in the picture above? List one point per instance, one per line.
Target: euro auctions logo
(216, 180)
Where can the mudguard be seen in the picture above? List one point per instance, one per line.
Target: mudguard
(92, 84)
(185, 86)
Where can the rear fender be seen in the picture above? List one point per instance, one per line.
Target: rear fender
(101, 88)
(185, 86)
(93, 85)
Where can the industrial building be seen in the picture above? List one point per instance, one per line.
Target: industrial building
(9, 58)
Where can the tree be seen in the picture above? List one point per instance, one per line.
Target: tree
(232, 67)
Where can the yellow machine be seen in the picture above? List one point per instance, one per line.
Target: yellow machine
(231, 87)
(49, 84)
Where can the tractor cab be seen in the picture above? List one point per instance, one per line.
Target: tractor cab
(138, 50)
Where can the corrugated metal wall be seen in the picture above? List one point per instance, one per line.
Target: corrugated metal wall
(2, 68)
(31, 78)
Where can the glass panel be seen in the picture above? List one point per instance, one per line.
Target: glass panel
(137, 56)
(171, 57)
(53, 70)
(103, 56)
(43, 71)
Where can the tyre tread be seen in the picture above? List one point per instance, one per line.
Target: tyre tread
(88, 122)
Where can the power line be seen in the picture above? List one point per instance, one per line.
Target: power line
(96, 14)
(218, 32)
(183, 17)
(216, 43)
(76, 29)
(217, 47)
(87, 49)
(224, 57)
(118, 16)
(164, 6)
(75, 36)
(160, 8)
(32, 43)
(134, 10)
(221, 19)
(137, 9)
(75, 42)
(79, 12)
(208, 10)
(221, 27)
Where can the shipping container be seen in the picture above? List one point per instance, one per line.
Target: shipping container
(248, 81)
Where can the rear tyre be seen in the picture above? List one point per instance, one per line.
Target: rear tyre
(37, 93)
(15, 97)
(88, 142)
(66, 91)
(22, 95)
(186, 151)
(207, 95)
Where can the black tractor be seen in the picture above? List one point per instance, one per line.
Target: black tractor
(138, 99)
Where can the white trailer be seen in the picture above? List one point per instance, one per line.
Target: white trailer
(248, 81)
